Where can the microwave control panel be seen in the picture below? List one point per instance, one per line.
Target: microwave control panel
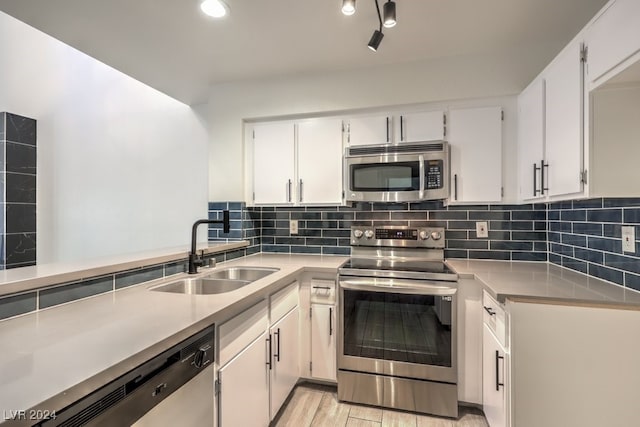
(434, 174)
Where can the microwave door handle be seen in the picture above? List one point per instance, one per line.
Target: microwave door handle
(421, 171)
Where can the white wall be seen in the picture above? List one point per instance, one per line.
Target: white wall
(451, 78)
(122, 168)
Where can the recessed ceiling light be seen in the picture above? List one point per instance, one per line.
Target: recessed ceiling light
(214, 8)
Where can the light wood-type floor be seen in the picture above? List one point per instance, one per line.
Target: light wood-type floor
(316, 406)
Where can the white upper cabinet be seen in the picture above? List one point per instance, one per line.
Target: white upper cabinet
(612, 39)
(531, 140)
(320, 162)
(415, 127)
(564, 122)
(369, 130)
(475, 137)
(297, 163)
(273, 163)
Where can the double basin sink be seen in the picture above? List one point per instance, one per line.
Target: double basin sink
(217, 282)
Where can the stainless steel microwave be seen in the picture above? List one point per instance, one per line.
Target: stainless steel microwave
(397, 172)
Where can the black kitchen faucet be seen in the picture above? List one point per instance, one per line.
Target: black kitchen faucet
(194, 260)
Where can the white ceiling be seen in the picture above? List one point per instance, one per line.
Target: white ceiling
(172, 46)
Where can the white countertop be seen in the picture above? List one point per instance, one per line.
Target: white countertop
(54, 350)
(544, 282)
(26, 278)
(70, 349)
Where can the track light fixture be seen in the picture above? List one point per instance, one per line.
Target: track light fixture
(375, 41)
(348, 7)
(377, 36)
(390, 14)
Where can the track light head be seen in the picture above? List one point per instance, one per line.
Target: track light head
(389, 14)
(375, 41)
(348, 7)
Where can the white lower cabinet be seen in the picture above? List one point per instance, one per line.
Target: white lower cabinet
(260, 360)
(284, 364)
(243, 398)
(323, 342)
(495, 379)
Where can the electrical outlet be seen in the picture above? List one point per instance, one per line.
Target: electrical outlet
(628, 239)
(293, 226)
(482, 229)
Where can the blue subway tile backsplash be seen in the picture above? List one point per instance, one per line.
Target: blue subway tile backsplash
(515, 231)
(583, 235)
(587, 236)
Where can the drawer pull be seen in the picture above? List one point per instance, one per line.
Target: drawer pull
(490, 311)
(322, 287)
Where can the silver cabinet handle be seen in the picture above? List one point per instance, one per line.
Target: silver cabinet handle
(289, 190)
(455, 187)
(330, 321)
(498, 383)
(269, 364)
(277, 353)
(300, 191)
(401, 128)
(542, 187)
(535, 175)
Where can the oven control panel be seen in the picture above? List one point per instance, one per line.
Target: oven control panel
(398, 236)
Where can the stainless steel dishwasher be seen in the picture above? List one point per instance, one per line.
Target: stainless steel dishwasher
(173, 388)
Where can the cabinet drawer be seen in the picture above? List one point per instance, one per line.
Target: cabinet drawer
(494, 317)
(238, 332)
(323, 291)
(283, 301)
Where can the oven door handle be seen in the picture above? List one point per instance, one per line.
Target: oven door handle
(398, 287)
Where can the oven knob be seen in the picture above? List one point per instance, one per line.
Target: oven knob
(424, 235)
(357, 234)
(436, 235)
(368, 234)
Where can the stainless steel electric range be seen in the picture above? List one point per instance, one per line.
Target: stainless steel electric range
(397, 327)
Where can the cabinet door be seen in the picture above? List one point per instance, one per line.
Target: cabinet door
(369, 130)
(285, 371)
(244, 387)
(323, 342)
(425, 126)
(563, 123)
(476, 154)
(273, 163)
(320, 161)
(613, 37)
(531, 140)
(494, 380)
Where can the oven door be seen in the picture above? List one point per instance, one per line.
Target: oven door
(403, 328)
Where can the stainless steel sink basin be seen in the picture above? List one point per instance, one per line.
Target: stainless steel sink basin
(201, 286)
(242, 273)
(216, 282)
